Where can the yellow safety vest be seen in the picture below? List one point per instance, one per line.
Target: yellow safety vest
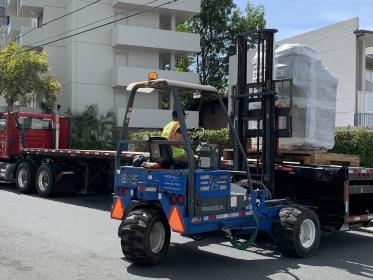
(169, 132)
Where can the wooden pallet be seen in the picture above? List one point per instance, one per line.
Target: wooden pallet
(319, 158)
(308, 157)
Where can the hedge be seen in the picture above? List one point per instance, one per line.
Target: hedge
(220, 137)
(355, 142)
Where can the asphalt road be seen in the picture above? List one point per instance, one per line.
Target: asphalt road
(74, 238)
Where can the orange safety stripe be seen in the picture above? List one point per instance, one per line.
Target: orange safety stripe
(175, 220)
(117, 212)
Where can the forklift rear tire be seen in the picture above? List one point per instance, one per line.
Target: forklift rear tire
(25, 177)
(145, 236)
(45, 180)
(297, 231)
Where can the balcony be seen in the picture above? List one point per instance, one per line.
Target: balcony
(34, 39)
(29, 8)
(154, 118)
(363, 120)
(15, 26)
(147, 38)
(11, 8)
(182, 9)
(123, 76)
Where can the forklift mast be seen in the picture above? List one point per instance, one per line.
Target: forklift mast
(256, 102)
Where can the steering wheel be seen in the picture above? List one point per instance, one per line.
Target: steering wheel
(196, 135)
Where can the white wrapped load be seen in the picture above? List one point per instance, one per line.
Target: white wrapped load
(314, 97)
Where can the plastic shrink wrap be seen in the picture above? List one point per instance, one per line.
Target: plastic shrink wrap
(314, 97)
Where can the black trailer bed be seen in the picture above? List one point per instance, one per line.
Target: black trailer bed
(340, 194)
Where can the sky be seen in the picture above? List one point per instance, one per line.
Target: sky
(293, 17)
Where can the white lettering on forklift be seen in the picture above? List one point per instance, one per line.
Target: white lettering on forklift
(205, 177)
(212, 208)
(159, 196)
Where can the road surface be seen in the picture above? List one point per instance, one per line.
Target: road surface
(74, 238)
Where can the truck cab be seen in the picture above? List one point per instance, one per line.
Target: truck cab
(23, 130)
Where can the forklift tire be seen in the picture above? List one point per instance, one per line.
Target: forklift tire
(145, 236)
(25, 177)
(45, 180)
(297, 231)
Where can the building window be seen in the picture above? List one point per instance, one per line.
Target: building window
(165, 61)
(164, 100)
(39, 20)
(369, 80)
(165, 22)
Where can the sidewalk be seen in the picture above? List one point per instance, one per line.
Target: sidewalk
(366, 229)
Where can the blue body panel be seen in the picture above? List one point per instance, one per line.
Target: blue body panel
(157, 185)
(212, 183)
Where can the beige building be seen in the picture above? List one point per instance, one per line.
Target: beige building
(97, 66)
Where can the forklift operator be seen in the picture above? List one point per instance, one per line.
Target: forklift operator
(173, 133)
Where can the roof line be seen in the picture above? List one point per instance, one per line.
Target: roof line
(360, 32)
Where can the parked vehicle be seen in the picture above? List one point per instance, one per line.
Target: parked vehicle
(35, 154)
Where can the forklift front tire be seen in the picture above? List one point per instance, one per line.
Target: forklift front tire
(297, 231)
(25, 177)
(145, 236)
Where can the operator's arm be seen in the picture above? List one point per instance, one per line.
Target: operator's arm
(179, 137)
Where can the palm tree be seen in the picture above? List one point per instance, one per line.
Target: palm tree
(90, 130)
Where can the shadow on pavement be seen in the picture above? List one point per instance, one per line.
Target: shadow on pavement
(98, 202)
(344, 251)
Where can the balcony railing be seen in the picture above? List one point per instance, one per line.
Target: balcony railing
(182, 9)
(29, 8)
(123, 76)
(147, 38)
(364, 120)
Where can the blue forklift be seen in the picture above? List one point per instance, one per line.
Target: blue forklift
(290, 202)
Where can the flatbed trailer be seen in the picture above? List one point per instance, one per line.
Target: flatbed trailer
(35, 154)
(342, 195)
(72, 170)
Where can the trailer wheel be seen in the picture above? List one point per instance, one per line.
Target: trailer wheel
(297, 231)
(45, 180)
(25, 177)
(145, 236)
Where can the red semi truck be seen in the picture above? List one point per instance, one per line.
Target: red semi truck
(35, 154)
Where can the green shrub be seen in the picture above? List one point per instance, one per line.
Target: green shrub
(220, 137)
(355, 142)
(93, 131)
(141, 136)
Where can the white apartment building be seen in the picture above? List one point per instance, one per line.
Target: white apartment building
(346, 51)
(97, 66)
(3, 23)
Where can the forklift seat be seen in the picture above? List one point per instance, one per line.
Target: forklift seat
(161, 153)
